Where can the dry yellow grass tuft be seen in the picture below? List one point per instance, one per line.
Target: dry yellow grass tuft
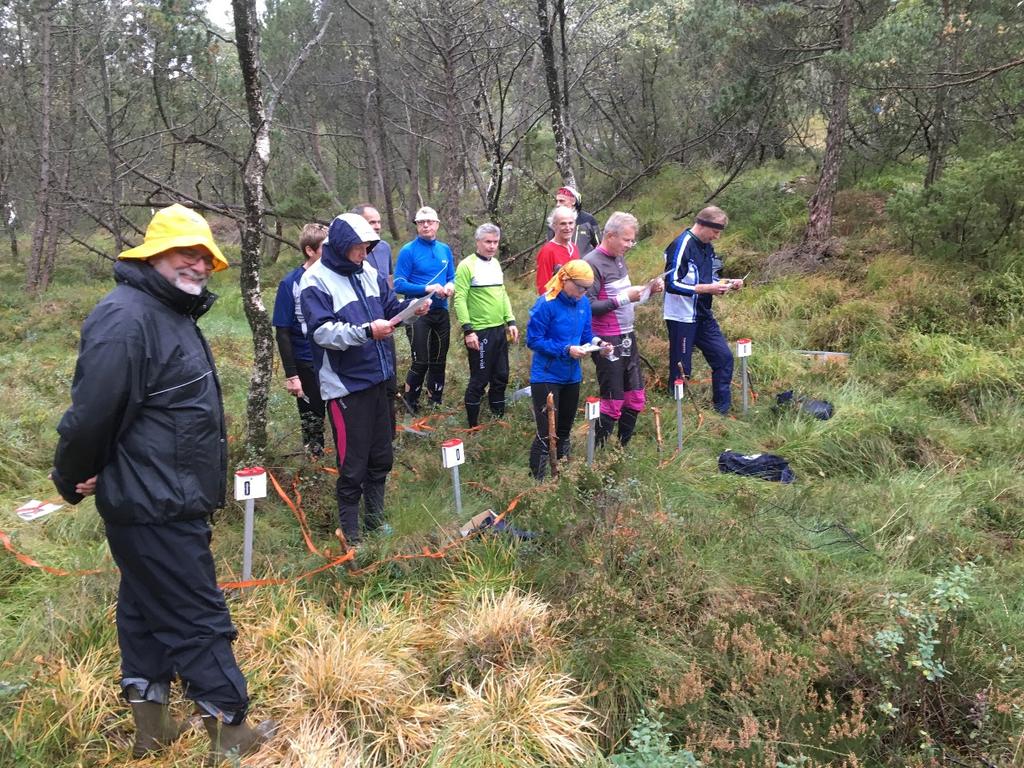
(73, 704)
(496, 630)
(313, 743)
(365, 683)
(527, 716)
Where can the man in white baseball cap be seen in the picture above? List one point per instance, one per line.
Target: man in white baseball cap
(426, 266)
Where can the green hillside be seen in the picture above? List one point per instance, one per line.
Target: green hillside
(870, 614)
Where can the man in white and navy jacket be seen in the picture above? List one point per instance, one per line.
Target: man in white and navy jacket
(347, 306)
(690, 283)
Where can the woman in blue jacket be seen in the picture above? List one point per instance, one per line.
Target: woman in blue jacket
(559, 335)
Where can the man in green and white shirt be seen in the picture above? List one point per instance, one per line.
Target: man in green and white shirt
(485, 312)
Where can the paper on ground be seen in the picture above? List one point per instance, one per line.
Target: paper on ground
(34, 508)
(519, 394)
(410, 310)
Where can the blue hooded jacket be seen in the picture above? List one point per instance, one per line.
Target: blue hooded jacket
(339, 301)
(555, 325)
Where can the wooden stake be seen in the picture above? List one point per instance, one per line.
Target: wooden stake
(552, 437)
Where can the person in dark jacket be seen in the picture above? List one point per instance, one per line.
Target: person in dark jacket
(145, 434)
(559, 335)
(349, 310)
(691, 282)
(586, 235)
(380, 258)
(296, 354)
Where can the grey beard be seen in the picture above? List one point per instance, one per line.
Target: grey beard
(189, 286)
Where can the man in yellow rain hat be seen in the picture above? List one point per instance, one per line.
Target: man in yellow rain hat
(145, 434)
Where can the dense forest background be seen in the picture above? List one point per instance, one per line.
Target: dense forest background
(479, 108)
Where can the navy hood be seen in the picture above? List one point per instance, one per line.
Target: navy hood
(346, 230)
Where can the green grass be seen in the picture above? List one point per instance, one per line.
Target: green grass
(744, 612)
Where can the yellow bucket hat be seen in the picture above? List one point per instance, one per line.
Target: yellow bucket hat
(177, 227)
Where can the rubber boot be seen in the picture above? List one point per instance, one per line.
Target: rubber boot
(233, 742)
(627, 425)
(563, 448)
(605, 426)
(473, 414)
(538, 459)
(373, 502)
(155, 729)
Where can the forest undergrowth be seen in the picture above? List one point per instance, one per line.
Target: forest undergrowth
(869, 614)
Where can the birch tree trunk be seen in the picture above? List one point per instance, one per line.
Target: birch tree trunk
(937, 137)
(380, 158)
(59, 219)
(558, 100)
(414, 199)
(7, 210)
(452, 162)
(35, 261)
(247, 40)
(108, 136)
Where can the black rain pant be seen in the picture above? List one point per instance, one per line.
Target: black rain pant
(172, 620)
(488, 369)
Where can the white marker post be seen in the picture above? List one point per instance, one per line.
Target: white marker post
(678, 392)
(743, 350)
(452, 455)
(250, 484)
(593, 411)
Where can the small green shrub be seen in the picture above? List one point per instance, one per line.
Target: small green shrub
(649, 747)
(909, 643)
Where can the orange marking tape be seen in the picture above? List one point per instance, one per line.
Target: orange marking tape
(350, 555)
(670, 459)
(332, 561)
(26, 560)
(297, 511)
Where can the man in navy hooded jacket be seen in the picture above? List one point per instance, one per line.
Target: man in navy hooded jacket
(347, 306)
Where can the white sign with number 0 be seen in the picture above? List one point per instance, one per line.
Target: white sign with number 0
(452, 453)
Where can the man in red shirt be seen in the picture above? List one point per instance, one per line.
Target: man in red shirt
(560, 249)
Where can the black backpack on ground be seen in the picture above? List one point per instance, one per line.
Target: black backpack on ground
(819, 409)
(766, 466)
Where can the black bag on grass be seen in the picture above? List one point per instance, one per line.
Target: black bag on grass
(819, 409)
(766, 466)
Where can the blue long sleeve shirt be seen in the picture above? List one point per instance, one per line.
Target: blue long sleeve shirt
(420, 263)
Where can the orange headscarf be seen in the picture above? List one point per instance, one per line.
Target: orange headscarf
(577, 269)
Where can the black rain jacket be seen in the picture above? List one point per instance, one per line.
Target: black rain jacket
(146, 415)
